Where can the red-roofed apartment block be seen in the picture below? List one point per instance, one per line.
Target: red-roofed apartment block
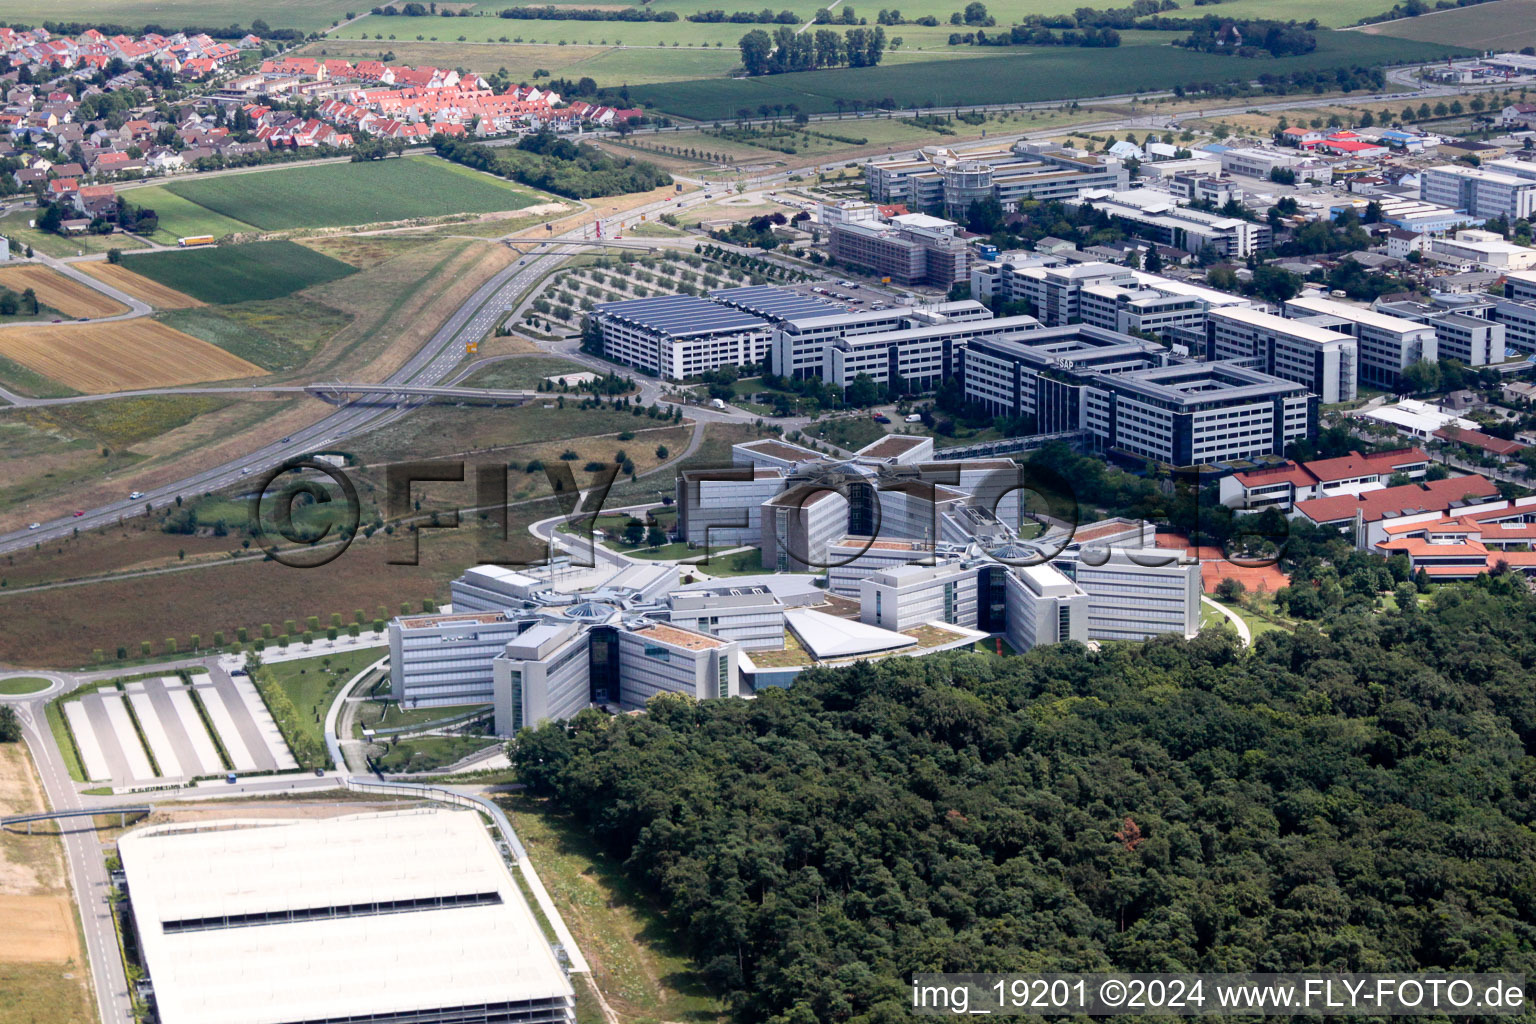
(1283, 485)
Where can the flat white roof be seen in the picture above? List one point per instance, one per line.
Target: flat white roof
(1360, 315)
(1280, 325)
(374, 963)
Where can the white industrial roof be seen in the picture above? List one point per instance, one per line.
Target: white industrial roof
(830, 636)
(269, 973)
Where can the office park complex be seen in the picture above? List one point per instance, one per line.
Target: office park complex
(591, 514)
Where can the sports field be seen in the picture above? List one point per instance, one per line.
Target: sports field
(140, 287)
(239, 273)
(65, 294)
(1505, 25)
(120, 356)
(329, 195)
(1027, 75)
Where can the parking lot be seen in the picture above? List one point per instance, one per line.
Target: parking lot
(160, 730)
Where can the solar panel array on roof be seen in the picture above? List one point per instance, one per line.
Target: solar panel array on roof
(776, 303)
(681, 315)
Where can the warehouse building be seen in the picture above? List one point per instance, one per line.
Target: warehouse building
(251, 921)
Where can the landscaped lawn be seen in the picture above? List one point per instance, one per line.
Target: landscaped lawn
(331, 195)
(430, 752)
(523, 372)
(23, 684)
(850, 432)
(239, 273)
(311, 683)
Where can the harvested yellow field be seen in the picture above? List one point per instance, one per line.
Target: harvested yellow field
(64, 294)
(39, 929)
(139, 286)
(120, 356)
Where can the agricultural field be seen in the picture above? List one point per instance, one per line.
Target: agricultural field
(1505, 25)
(65, 294)
(180, 217)
(309, 15)
(239, 273)
(145, 354)
(42, 969)
(140, 287)
(267, 332)
(330, 195)
(1033, 76)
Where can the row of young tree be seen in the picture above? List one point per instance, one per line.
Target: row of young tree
(1355, 799)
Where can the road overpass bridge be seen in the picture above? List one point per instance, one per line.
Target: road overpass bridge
(88, 812)
(343, 393)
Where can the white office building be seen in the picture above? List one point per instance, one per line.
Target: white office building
(722, 508)
(659, 657)
(922, 357)
(441, 660)
(905, 596)
(1159, 217)
(750, 616)
(1326, 361)
(680, 336)
(542, 674)
(489, 588)
(1135, 593)
(1388, 344)
(1044, 607)
(1483, 192)
(798, 343)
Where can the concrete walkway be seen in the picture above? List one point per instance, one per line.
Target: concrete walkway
(1237, 620)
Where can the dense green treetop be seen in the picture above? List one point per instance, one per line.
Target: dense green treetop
(1355, 800)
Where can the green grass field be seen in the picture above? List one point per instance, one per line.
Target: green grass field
(1036, 75)
(273, 334)
(311, 683)
(239, 273)
(327, 195)
(308, 15)
(523, 372)
(23, 684)
(180, 217)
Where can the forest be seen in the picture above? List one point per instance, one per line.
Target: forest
(1355, 799)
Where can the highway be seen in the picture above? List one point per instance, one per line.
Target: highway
(432, 364)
